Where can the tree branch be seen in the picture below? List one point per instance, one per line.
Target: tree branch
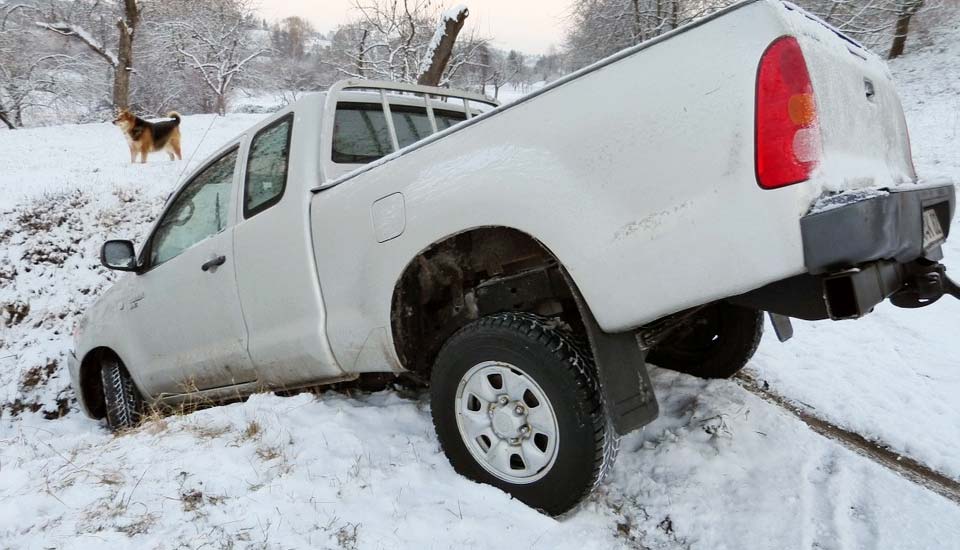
(66, 29)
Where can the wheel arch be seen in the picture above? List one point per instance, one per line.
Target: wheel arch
(91, 385)
(497, 269)
(463, 276)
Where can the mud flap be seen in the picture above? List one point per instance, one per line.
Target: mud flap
(622, 368)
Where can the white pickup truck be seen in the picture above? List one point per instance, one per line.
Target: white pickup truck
(525, 260)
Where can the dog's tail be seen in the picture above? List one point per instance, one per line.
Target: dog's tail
(175, 116)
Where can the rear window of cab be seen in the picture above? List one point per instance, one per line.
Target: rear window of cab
(361, 134)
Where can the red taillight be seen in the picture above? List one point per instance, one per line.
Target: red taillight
(787, 130)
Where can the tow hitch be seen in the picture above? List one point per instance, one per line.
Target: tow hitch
(925, 284)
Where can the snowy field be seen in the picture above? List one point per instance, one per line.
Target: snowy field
(720, 468)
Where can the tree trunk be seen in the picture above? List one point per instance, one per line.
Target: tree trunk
(121, 75)
(484, 67)
(637, 23)
(900, 36)
(444, 48)
(361, 62)
(221, 103)
(4, 118)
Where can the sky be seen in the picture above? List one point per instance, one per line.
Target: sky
(530, 26)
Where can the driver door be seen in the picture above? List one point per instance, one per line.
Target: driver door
(185, 312)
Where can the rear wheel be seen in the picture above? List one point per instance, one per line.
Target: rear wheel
(517, 405)
(716, 342)
(123, 401)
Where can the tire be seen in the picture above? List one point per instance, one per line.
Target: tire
(716, 343)
(569, 443)
(123, 401)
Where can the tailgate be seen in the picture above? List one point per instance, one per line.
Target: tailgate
(863, 130)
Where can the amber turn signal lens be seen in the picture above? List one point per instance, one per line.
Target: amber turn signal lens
(802, 109)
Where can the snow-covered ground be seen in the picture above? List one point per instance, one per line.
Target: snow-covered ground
(719, 469)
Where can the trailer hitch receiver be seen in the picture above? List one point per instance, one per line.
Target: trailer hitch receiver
(924, 285)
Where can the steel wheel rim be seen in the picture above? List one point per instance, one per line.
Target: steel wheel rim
(507, 422)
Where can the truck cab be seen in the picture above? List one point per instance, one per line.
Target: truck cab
(254, 318)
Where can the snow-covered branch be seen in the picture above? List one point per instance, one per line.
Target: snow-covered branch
(67, 29)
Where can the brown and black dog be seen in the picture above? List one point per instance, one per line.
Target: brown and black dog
(148, 137)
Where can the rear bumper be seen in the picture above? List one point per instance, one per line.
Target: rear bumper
(889, 226)
(860, 249)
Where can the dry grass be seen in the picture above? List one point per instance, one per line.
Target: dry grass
(14, 313)
(38, 375)
(267, 454)
(191, 500)
(347, 536)
(8, 272)
(252, 430)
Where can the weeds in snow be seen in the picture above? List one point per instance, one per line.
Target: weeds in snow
(252, 430)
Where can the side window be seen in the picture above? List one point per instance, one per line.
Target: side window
(360, 133)
(267, 167)
(199, 211)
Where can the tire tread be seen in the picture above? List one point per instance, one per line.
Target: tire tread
(123, 401)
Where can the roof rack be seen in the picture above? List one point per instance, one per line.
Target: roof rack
(386, 86)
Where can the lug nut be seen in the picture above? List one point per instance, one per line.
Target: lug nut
(504, 400)
(524, 429)
(519, 409)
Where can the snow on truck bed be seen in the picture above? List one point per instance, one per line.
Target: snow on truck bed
(720, 468)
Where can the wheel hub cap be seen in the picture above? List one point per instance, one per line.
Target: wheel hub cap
(506, 422)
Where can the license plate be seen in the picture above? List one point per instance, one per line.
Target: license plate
(932, 231)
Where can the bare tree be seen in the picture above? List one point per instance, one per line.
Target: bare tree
(28, 76)
(393, 40)
(292, 37)
(599, 28)
(121, 60)
(441, 45)
(218, 39)
(906, 9)
(25, 84)
(498, 68)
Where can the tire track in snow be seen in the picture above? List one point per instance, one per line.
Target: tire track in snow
(906, 467)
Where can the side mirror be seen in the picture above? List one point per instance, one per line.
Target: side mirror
(119, 256)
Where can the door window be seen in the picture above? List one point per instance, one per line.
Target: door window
(199, 211)
(267, 166)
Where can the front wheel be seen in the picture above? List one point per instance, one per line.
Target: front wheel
(123, 401)
(516, 404)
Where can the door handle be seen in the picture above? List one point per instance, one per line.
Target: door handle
(216, 262)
